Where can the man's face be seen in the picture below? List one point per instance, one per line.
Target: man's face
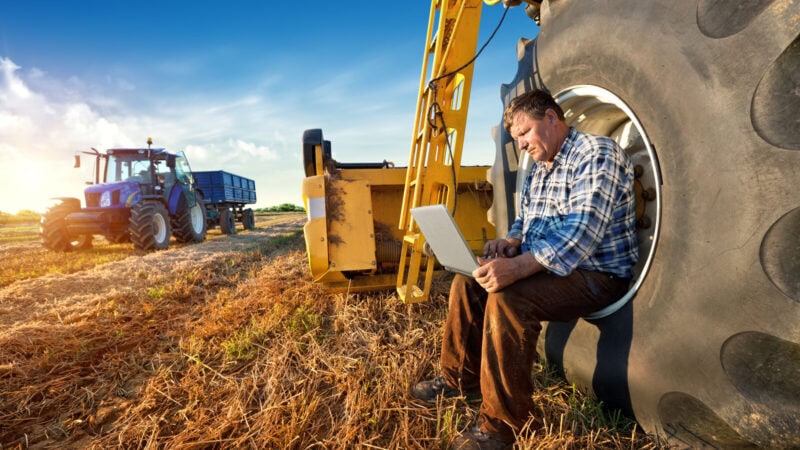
(536, 137)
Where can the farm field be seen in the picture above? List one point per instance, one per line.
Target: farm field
(229, 344)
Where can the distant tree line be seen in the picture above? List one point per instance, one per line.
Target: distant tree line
(27, 215)
(24, 216)
(284, 207)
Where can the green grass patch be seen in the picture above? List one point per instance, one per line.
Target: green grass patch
(244, 344)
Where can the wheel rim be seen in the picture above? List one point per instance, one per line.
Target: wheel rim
(595, 110)
(197, 217)
(159, 228)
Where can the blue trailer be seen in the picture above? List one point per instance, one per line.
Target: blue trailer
(225, 196)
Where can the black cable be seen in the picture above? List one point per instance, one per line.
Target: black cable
(435, 111)
(453, 72)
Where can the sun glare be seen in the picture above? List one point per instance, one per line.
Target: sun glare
(32, 184)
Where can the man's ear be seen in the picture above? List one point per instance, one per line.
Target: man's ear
(551, 116)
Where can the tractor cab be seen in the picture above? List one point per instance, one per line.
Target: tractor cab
(131, 174)
(139, 168)
(154, 170)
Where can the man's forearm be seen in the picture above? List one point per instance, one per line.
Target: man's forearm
(526, 265)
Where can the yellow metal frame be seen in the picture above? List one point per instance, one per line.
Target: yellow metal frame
(435, 161)
(340, 231)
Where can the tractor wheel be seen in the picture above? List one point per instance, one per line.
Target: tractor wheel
(149, 226)
(703, 95)
(249, 219)
(227, 221)
(54, 228)
(189, 224)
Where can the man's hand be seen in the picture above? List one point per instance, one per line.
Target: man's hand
(510, 3)
(497, 273)
(501, 248)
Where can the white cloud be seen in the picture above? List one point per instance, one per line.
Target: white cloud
(36, 73)
(81, 122)
(13, 85)
(258, 151)
(197, 153)
(13, 123)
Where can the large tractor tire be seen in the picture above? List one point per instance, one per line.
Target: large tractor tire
(705, 96)
(189, 224)
(149, 226)
(54, 228)
(227, 221)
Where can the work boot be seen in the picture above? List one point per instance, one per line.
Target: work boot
(429, 390)
(475, 439)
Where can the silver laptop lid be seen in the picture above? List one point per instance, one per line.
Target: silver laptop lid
(445, 238)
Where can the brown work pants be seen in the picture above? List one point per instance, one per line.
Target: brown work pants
(490, 339)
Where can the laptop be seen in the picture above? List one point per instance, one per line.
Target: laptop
(445, 238)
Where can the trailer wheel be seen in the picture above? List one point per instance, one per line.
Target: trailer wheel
(189, 224)
(249, 219)
(149, 226)
(227, 221)
(700, 351)
(53, 227)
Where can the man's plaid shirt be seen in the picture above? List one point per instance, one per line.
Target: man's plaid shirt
(580, 213)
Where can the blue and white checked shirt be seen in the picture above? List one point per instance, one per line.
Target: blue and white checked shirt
(581, 213)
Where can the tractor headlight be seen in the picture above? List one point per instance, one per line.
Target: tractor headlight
(105, 199)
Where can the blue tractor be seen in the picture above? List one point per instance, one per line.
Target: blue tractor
(138, 195)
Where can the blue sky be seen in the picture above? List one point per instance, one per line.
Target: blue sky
(232, 84)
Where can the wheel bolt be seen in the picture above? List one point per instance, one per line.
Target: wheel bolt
(649, 194)
(643, 223)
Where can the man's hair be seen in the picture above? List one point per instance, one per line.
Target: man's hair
(533, 103)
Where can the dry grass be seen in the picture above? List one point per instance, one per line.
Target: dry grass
(24, 257)
(242, 350)
(18, 232)
(32, 260)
